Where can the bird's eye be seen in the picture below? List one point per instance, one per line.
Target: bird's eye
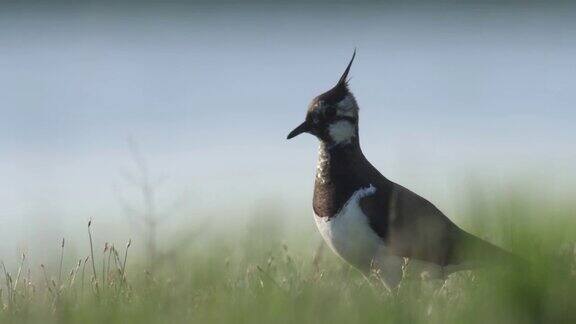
(315, 119)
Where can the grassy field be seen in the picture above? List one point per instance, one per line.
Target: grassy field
(256, 278)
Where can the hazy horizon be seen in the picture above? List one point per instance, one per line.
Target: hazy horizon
(447, 95)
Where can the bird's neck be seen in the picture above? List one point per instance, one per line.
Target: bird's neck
(340, 172)
(338, 159)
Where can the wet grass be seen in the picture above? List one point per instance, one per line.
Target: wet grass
(254, 280)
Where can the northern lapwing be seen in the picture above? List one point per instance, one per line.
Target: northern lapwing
(370, 221)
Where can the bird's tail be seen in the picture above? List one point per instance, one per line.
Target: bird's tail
(476, 252)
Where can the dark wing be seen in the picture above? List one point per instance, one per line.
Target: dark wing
(413, 227)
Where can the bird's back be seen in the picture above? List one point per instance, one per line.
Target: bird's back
(416, 229)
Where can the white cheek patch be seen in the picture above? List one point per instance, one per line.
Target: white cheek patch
(342, 131)
(346, 107)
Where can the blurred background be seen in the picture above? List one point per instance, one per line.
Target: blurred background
(118, 111)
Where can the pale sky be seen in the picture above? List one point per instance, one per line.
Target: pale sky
(446, 94)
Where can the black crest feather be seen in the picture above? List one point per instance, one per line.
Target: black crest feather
(344, 76)
(340, 90)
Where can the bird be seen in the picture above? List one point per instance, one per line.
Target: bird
(373, 223)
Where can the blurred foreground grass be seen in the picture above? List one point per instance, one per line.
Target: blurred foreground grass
(268, 277)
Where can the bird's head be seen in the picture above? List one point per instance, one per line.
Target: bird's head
(332, 116)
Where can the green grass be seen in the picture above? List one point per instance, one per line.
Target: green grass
(258, 279)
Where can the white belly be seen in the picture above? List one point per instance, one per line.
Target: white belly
(349, 234)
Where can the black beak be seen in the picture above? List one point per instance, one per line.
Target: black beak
(303, 128)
